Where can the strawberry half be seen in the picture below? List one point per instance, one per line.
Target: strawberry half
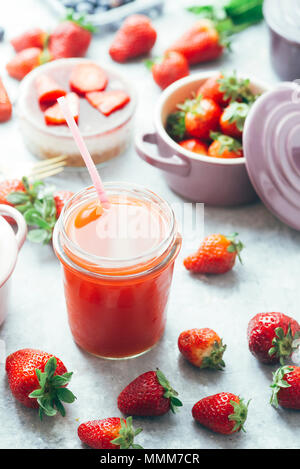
(38, 380)
(110, 433)
(54, 116)
(108, 102)
(48, 90)
(87, 77)
(150, 394)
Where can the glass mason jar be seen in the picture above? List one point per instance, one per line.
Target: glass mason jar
(117, 305)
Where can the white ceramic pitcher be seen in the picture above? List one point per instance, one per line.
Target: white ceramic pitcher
(10, 244)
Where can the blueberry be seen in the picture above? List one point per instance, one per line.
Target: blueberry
(1, 33)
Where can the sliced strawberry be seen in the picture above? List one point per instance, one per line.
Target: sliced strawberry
(87, 77)
(48, 90)
(54, 116)
(108, 101)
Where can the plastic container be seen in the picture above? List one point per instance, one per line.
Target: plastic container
(105, 137)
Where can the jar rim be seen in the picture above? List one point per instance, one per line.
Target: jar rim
(99, 263)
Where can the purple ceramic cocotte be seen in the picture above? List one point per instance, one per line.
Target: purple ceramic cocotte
(283, 19)
(270, 168)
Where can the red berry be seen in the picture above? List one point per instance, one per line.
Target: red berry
(150, 394)
(170, 68)
(69, 39)
(110, 433)
(216, 255)
(286, 387)
(54, 116)
(34, 37)
(222, 413)
(202, 347)
(61, 198)
(201, 43)
(31, 378)
(271, 337)
(136, 37)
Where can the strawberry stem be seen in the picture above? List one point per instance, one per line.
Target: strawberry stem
(284, 344)
(239, 415)
(235, 245)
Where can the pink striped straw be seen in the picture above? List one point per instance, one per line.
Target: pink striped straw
(95, 176)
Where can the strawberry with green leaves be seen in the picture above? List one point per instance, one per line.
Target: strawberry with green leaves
(25, 61)
(224, 146)
(286, 387)
(150, 394)
(169, 68)
(38, 380)
(203, 348)
(225, 88)
(233, 119)
(201, 116)
(273, 337)
(109, 433)
(223, 413)
(40, 206)
(71, 37)
(216, 255)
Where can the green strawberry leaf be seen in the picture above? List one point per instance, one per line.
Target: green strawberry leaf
(18, 197)
(126, 435)
(52, 391)
(278, 383)
(39, 236)
(170, 393)
(175, 126)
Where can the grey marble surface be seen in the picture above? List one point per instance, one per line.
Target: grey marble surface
(268, 280)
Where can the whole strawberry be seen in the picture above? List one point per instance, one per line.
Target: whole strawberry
(201, 43)
(38, 380)
(233, 119)
(286, 387)
(136, 37)
(150, 394)
(216, 255)
(71, 38)
(272, 337)
(25, 61)
(35, 37)
(201, 117)
(110, 433)
(171, 67)
(202, 347)
(223, 413)
(7, 187)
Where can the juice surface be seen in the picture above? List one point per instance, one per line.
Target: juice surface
(117, 318)
(128, 229)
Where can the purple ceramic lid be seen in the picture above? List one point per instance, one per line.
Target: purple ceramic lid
(272, 151)
(283, 16)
